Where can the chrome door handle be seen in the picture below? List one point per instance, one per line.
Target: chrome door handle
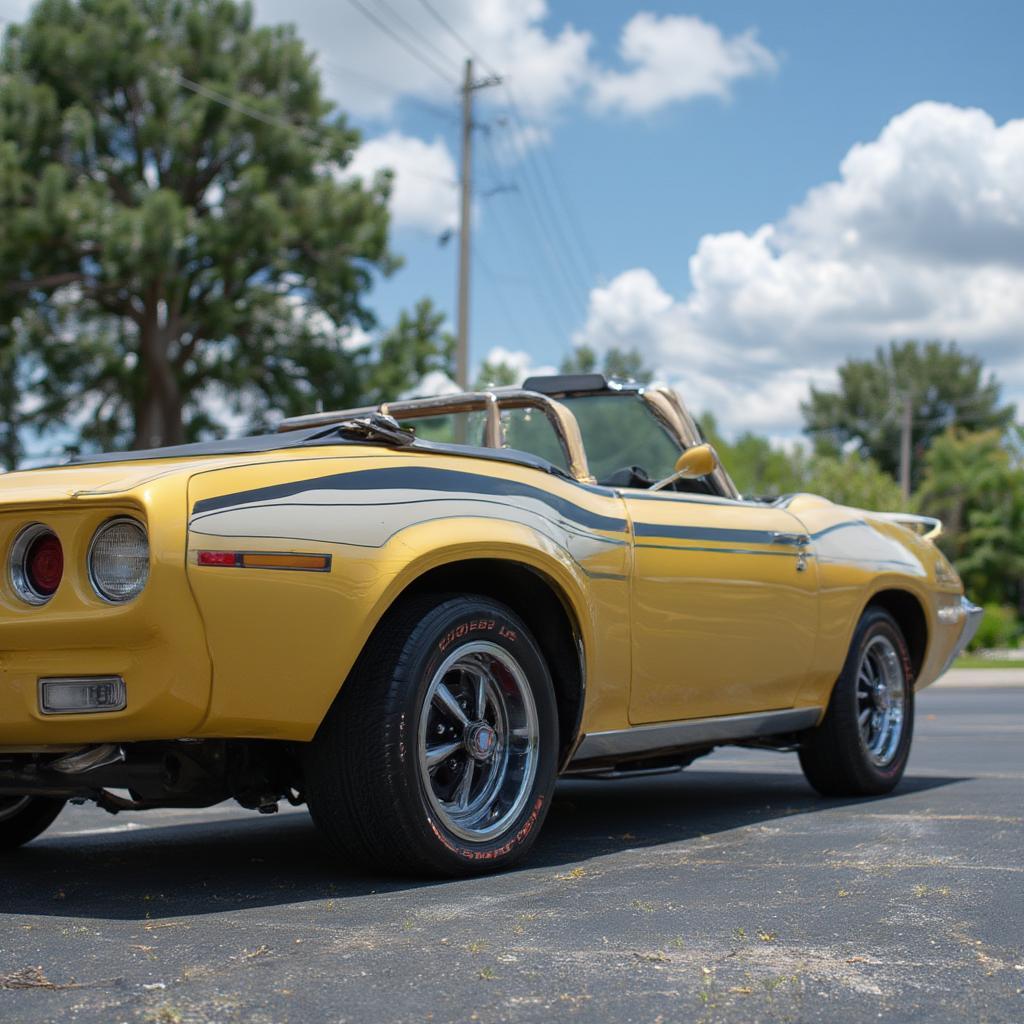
(795, 540)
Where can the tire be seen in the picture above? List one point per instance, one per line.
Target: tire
(863, 743)
(22, 818)
(386, 772)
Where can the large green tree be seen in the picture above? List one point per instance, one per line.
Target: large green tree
(944, 386)
(175, 223)
(975, 484)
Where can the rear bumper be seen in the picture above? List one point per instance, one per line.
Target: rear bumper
(971, 615)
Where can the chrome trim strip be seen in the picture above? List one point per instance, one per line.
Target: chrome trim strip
(910, 520)
(666, 737)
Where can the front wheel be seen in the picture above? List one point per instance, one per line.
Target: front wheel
(863, 743)
(439, 755)
(22, 818)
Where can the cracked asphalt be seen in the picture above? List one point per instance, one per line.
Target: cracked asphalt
(728, 892)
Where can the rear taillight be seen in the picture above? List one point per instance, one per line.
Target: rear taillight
(36, 564)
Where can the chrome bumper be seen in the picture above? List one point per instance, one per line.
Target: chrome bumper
(972, 616)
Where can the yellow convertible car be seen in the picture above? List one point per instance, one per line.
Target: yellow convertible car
(415, 617)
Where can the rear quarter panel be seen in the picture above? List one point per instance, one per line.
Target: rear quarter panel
(283, 642)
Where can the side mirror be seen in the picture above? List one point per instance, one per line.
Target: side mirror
(701, 460)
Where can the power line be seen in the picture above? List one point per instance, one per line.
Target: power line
(279, 122)
(377, 83)
(548, 243)
(589, 264)
(439, 18)
(226, 101)
(410, 48)
(548, 294)
(413, 31)
(573, 242)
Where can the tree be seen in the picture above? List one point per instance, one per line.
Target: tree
(497, 374)
(415, 349)
(945, 387)
(975, 484)
(758, 468)
(625, 364)
(175, 220)
(852, 480)
(761, 469)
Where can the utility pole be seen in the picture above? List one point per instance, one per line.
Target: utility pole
(906, 435)
(469, 86)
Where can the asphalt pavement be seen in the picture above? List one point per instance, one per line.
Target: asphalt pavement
(728, 892)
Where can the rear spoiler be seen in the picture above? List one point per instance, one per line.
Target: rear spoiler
(928, 527)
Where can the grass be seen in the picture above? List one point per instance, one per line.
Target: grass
(974, 661)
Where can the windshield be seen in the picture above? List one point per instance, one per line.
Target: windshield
(620, 431)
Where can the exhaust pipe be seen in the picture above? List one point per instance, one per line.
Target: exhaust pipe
(88, 759)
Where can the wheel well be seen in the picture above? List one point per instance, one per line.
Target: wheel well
(905, 608)
(545, 610)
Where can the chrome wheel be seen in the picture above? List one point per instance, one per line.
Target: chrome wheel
(881, 700)
(12, 805)
(478, 741)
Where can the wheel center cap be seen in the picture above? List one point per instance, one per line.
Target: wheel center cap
(481, 739)
(881, 696)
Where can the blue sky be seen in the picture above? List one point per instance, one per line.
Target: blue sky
(648, 181)
(758, 191)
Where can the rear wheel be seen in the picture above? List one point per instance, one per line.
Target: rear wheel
(22, 818)
(863, 743)
(439, 755)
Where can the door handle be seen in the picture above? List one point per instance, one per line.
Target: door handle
(795, 540)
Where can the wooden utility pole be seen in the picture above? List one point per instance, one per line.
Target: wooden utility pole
(906, 437)
(469, 86)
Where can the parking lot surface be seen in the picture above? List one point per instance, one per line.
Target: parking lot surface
(728, 892)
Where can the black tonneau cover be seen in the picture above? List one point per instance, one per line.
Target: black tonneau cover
(314, 437)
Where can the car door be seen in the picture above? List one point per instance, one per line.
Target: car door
(724, 606)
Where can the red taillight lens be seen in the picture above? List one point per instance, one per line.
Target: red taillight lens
(217, 558)
(44, 564)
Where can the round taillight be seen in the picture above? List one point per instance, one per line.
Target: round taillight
(36, 564)
(119, 560)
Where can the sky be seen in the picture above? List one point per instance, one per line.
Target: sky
(750, 193)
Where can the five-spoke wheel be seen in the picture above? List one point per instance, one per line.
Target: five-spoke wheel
(881, 699)
(862, 744)
(478, 740)
(440, 752)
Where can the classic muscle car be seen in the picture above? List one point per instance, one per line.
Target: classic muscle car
(415, 617)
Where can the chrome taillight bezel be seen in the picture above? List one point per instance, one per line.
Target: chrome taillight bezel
(17, 563)
(97, 587)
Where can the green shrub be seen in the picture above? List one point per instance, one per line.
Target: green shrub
(1000, 627)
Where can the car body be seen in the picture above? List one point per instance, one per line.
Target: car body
(672, 620)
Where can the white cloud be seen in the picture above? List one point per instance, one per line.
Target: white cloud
(677, 58)
(546, 66)
(922, 235)
(424, 193)
(369, 72)
(436, 382)
(520, 362)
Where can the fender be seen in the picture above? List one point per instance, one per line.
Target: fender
(383, 526)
